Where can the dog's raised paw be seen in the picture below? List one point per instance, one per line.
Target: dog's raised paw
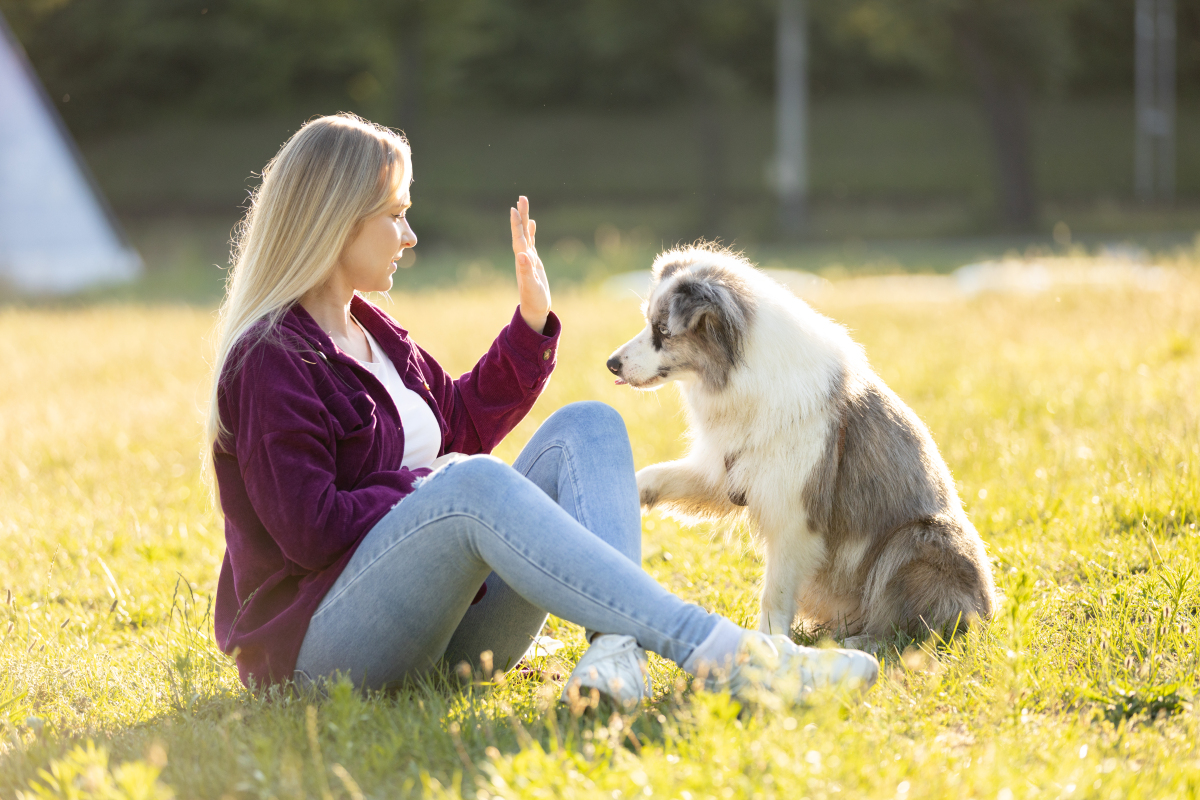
(648, 491)
(648, 497)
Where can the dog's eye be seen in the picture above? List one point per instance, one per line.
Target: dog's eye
(663, 332)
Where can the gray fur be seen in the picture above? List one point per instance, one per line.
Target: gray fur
(706, 313)
(883, 480)
(668, 269)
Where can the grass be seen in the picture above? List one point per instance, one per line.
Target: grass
(1070, 422)
(185, 259)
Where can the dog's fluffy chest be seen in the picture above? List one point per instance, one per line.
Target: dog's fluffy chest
(763, 466)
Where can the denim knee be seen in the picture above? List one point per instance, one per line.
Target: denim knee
(592, 416)
(484, 468)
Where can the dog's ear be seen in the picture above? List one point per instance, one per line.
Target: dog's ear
(664, 269)
(696, 302)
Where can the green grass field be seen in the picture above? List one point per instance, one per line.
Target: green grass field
(1070, 421)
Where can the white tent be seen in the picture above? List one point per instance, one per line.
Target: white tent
(56, 231)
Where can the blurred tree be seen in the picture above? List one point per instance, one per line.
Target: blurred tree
(530, 53)
(127, 63)
(421, 42)
(1008, 47)
(127, 60)
(407, 32)
(702, 37)
(791, 116)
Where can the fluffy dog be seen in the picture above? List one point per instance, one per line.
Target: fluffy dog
(863, 530)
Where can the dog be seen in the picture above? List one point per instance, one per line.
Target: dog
(863, 531)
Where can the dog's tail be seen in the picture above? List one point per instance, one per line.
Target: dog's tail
(930, 576)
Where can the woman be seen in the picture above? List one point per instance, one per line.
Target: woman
(355, 543)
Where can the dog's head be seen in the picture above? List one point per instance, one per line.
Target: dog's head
(697, 318)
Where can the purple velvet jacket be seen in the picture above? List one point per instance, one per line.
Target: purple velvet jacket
(312, 462)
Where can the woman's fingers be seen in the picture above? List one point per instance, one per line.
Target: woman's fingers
(518, 231)
(524, 230)
(528, 226)
(523, 207)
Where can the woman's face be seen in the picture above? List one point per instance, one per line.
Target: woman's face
(370, 257)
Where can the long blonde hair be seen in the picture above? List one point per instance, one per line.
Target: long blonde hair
(327, 178)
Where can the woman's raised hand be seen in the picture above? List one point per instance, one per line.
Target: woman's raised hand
(532, 285)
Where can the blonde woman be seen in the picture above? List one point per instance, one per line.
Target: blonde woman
(357, 542)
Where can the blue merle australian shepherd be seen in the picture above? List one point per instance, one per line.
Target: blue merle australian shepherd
(861, 525)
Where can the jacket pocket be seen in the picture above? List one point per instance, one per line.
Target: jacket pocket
(355, 427)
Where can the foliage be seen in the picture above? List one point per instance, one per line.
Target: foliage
(1069, 421)
(606, 52)
(1031, 39)
(126, 62)
(1007, 47)
(122, 60)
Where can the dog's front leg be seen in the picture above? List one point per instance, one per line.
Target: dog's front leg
(792, 561)
(684, 487)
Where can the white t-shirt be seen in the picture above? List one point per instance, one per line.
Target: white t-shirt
(422, 434)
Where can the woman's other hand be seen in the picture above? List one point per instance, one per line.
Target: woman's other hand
(532, 285)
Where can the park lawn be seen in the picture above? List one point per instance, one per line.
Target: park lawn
(1069, 420)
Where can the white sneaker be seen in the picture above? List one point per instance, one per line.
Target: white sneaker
(616, 667)
(778, 666)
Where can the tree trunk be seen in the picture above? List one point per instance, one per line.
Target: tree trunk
(1005, 106)
(791, 116)
(710, 138)
(408, 74)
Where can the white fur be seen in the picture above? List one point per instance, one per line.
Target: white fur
(776, 414)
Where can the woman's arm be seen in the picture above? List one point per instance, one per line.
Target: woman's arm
(483, 405)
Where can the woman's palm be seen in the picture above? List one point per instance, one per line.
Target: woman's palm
(533, 287)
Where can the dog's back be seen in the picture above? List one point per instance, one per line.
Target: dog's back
(882, 496)
(900, 553)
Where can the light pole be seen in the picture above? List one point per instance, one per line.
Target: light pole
(791, 116)
(1154, 98)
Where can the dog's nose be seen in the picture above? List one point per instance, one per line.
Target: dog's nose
(614, 365)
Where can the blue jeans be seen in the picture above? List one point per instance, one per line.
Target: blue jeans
(558, 532)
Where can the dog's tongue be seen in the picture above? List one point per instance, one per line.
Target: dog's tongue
(619, 382)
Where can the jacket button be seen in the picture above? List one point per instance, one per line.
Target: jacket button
(546, 356)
